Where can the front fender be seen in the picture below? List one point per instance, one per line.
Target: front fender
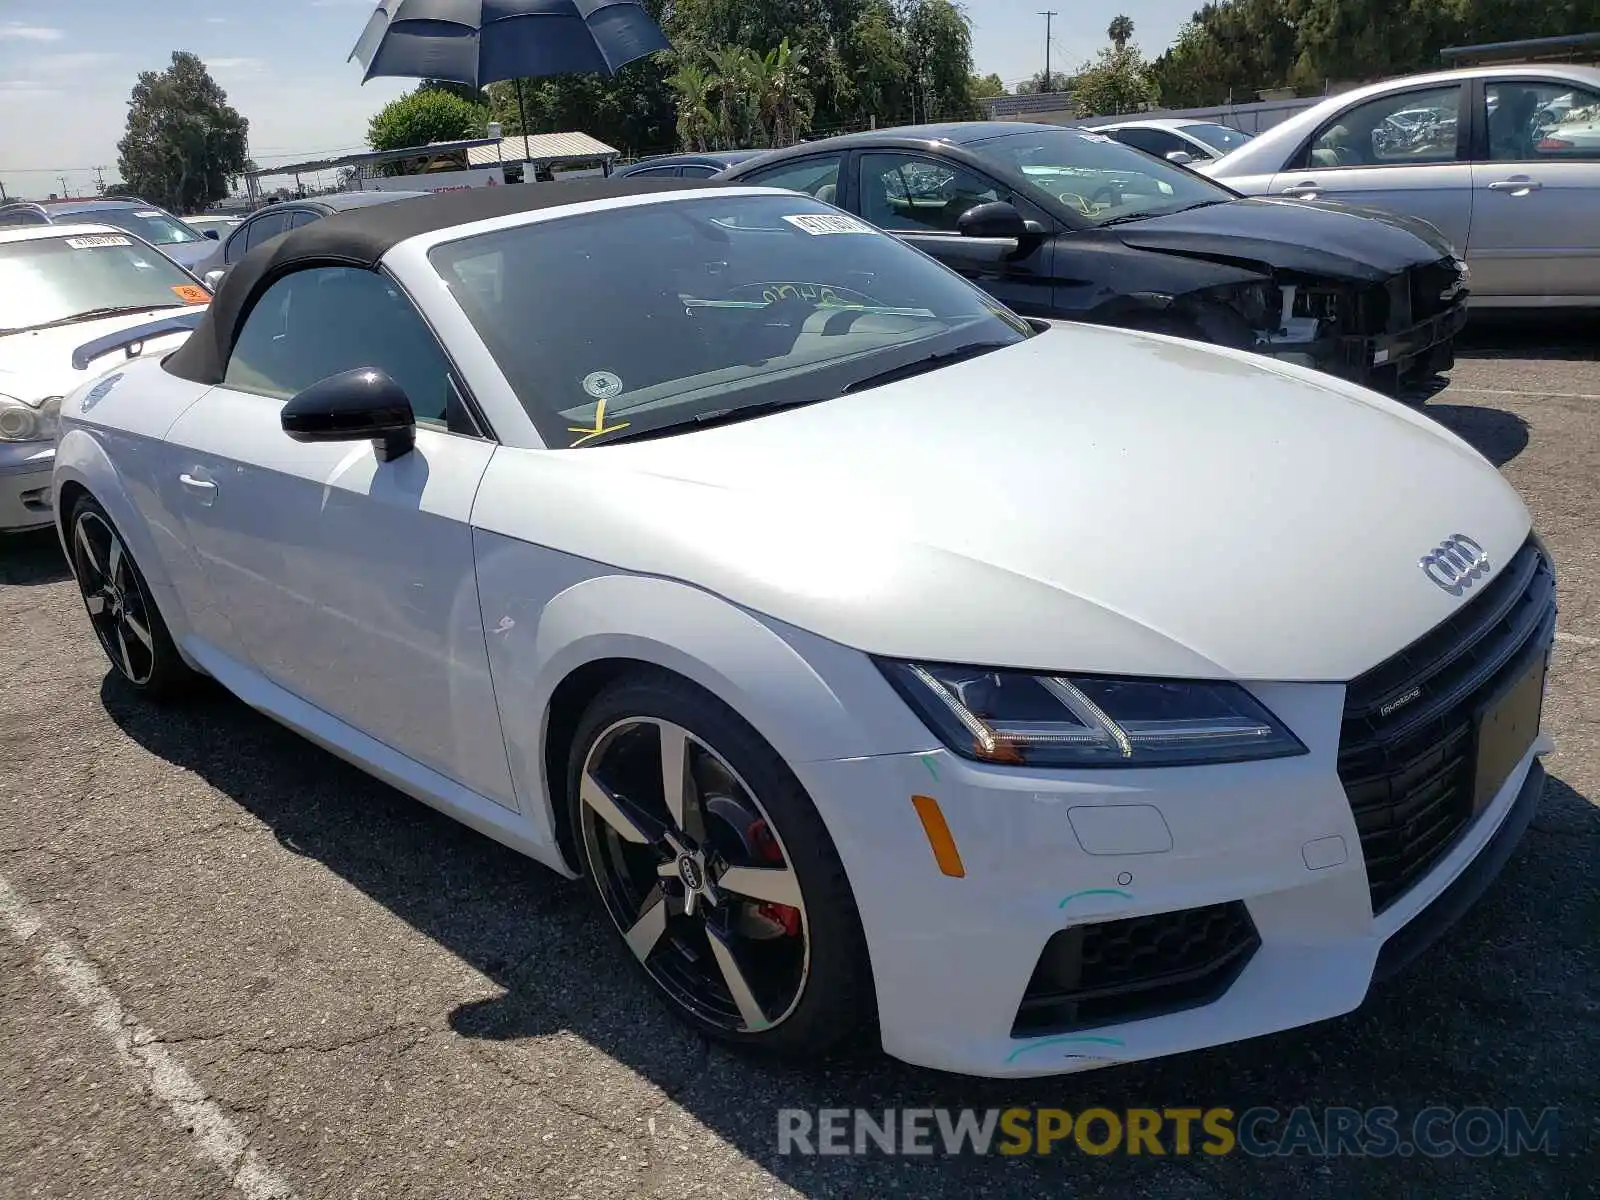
(547, 614)
(82, 462)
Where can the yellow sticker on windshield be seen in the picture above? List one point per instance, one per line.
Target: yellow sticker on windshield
(600, 426)
(191, 293)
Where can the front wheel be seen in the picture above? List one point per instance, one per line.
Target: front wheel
(717, 871)
(124, 617)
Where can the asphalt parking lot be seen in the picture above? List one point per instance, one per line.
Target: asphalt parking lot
(231, 965)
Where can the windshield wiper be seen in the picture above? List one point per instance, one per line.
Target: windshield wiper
(1125, 218)
(921, 366)
(721, 416)
(94, 314)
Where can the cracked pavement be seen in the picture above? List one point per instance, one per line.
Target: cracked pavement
(387, 1005)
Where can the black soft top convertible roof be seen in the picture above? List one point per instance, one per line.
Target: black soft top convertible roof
(360, 237)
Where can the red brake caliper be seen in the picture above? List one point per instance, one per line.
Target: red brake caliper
(760, 838)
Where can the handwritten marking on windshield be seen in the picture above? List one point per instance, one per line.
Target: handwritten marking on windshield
(600, 426)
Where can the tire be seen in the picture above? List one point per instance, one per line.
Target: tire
(121, 610)
(811, 996)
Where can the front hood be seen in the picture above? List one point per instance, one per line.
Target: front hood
(38, 364)
(1316, 237)
(1092, 500)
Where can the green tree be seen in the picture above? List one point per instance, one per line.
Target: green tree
(1120, 31)
(424, 116)
(184, 141)
(783, 98)
(1038, 84)
(464, 91)
(1230, 50)
(877, 76)
(938, 39)
(987, 87)
(1117, 82)
(697, 124)
(733, 72)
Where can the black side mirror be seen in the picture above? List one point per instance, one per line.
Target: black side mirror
(352, 407)
(210, 233)
(997, 219)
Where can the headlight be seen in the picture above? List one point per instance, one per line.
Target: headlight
(21, 422)
(1021, 719)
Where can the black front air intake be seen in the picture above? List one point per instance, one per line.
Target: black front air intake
(1112, 971)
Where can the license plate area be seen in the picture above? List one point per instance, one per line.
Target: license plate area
(1507, 726)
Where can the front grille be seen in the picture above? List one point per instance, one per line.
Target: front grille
(1410, 772)
(1112, 971)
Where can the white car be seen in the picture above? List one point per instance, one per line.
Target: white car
(216, 228)
(60, 287)
(1055, 695)
(1503, 160)
(1179, 139)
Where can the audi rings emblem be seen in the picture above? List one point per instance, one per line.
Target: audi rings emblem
(1455, 563)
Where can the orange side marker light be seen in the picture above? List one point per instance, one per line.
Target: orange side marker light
(944, 846)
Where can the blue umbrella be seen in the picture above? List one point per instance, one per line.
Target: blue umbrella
(478, 42)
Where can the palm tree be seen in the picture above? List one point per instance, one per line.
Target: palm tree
(696, 124)
(730, 79)
(1120, 31)
(786, 101)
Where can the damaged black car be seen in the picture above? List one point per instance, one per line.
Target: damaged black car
(1066, 223)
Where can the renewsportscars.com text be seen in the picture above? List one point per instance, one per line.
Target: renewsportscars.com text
(1331, 1132)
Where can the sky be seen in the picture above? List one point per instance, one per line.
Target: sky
(67, 67)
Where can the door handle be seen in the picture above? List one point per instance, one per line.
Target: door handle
(1302, 191)
(202, 490)
(1517, 187)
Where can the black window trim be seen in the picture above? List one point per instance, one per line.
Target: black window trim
(471, 410)
(1300, 160)
(843, 155)
(1002, 190)
(1479, 152)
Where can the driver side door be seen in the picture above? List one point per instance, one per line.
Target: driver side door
(922, 198)
(347, 581)
(1404, 152)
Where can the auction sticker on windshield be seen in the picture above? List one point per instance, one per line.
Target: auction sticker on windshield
(818, 224)
(191, 293)
(94, 241)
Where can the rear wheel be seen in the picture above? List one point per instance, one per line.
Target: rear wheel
(121, 611)
(716, 870)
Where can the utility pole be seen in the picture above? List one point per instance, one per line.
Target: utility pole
(100, 179)
(1049, 17)
(66, 192)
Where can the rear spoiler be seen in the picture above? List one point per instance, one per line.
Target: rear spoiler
(133, 340)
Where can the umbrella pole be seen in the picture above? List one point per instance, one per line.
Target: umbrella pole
(522, 110)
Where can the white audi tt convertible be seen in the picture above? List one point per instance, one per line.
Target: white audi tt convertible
(1041, 697)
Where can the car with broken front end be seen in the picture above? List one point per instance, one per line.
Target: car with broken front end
(820, 611)
(1068, 223)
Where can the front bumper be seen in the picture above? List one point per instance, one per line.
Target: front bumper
(952, 958)
(25, 486)
(1387, 362)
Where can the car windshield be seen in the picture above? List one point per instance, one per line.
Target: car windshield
(1218, 137)
(153, 225)
(1099, 178)
(53, 281)
(665, 316)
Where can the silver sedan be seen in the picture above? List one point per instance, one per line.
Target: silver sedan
(1504, 160)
